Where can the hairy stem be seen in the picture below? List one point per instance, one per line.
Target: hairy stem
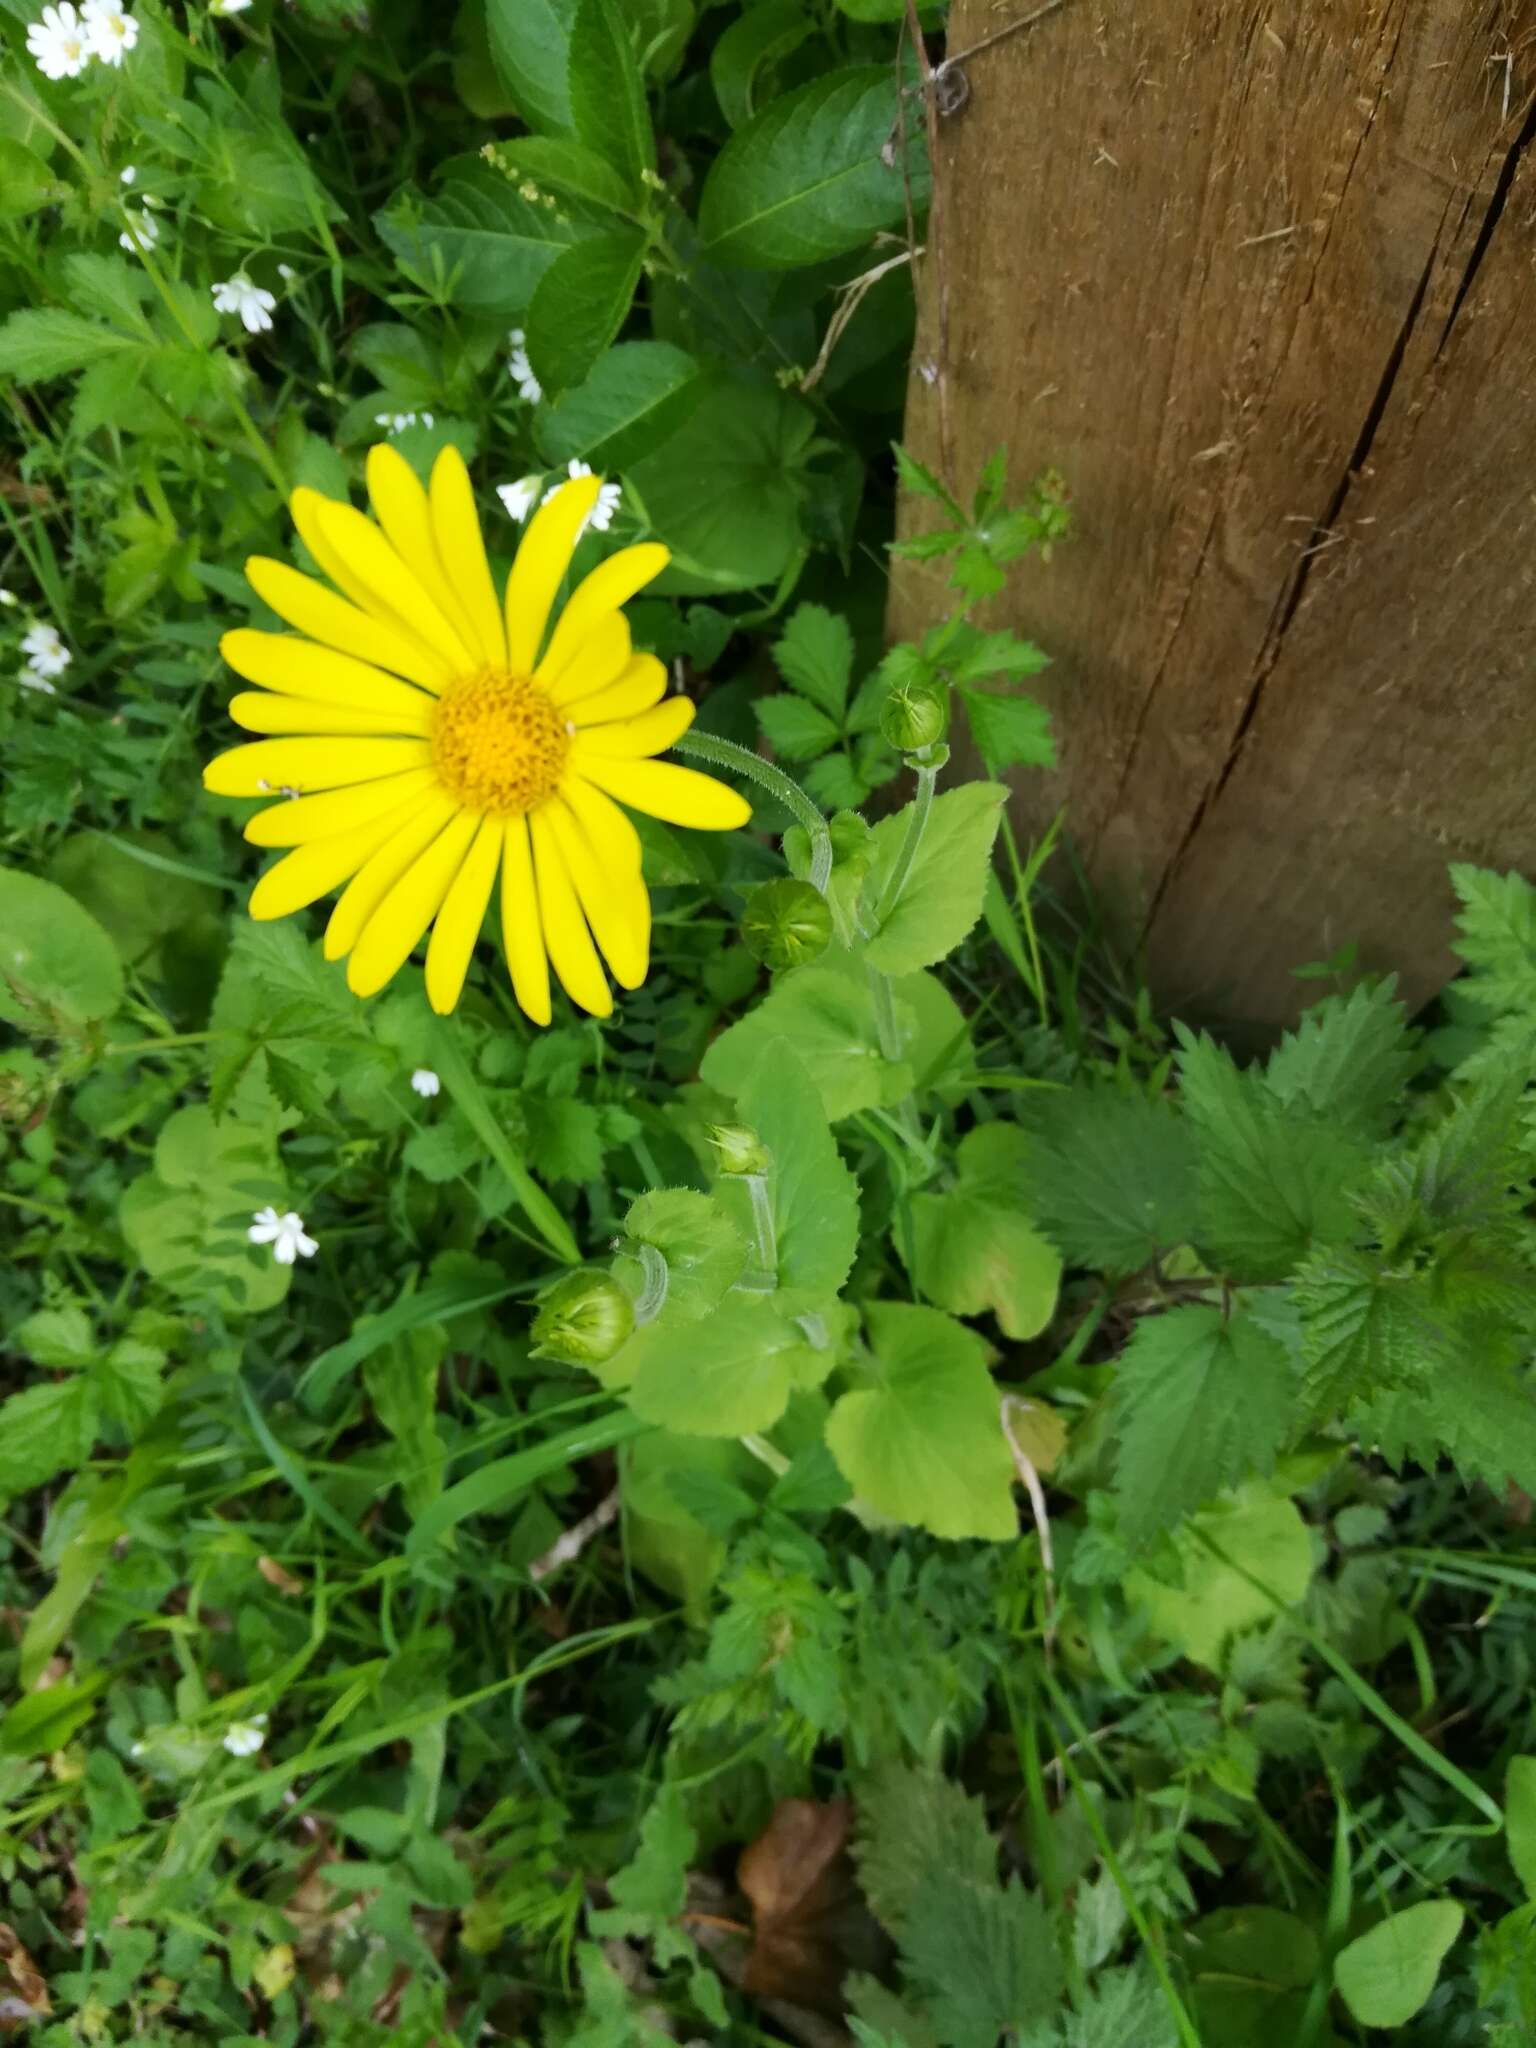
(726, 754)
(917, 825)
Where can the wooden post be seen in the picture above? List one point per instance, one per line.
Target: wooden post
(1260, 279)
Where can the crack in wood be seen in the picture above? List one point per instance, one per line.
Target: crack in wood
(1491, 218)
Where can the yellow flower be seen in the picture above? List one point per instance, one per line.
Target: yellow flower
(431, 738)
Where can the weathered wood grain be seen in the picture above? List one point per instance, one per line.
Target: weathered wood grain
(1261, 280)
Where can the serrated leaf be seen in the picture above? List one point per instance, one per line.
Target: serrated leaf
(1366, 1327)
(727, 1375)
(638, 395)
(940, 900)
(45, 342)
(703, 1248)
(1479, 1413)
(44, 1430)
(58, 1339)
(747, 50)
(923, 1443)
(1497, 937)
(568, 170)
(794, 729)
(814, 655)
(815, 174)
(1348, 1060)
(985, 1958)
(1010, 732)
(579, 305)
(530, 47)
(1110, 1176)
(827, 1014)
(127, 1383)
(607, 91)
(1387, 1975)
(479, 237)
(1201, 1401)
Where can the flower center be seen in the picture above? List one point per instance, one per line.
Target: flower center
(498, 744)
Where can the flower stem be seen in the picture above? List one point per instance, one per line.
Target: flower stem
(762, 1224)
(653, 1296)
(917, 825)
(705, 746)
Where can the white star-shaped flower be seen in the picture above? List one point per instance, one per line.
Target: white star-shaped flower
(425, 1082)
(521, 497)
(284, 1233)
(142, 232)
(60, 44)
(127, 174)
(45, 651)
(33, 679)
(528, 385)
(237, 294)
(112, 29)
(244, 1738)
(600, 518)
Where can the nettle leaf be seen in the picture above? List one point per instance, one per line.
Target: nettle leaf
(1110, 1176)
(59, 1339)
(478, 238)
(1200, 1401)
(579, 305)
(727, 1375)
(1273, 1184)
(1010, 732)
(748, 49)
(815, 1198)
(607, 92)
(59, 971)
(530, 46)
(813, 175)
(794, 729)
(1478, 1412)
(941, 898)
(814, 655)
(1497, 937)
(975, 1248)
(923, 1443)
(1387, 1975)
(1348, 1061)
(1366, 1326)
(637, 396)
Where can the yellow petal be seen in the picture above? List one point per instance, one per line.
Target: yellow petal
(391, 585)
(458, 922)
(314, 870)
(259, 712)
(306, 507)
(571, 952)
(611, 834)
(639, 685)
(332, 620)
(610, 584)
(635, 739)
(522, 932)
(266, 767)
(396, 928)
(461, 550)
(541, 561)
(298, 668)
(401, 508)
(679, 796)
(321, 817)
(380, 872)
(598, 661)
(607, 900)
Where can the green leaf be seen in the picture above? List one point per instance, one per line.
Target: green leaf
(1273, 1184)
(941, 898)
(813, 175)
(814, 655)
(984, 1957)
(58, 1339)
(1348, 1061)
(638, 395)
(26, 183)
(1384, 1977)
(1477, 1412)
(724, 491)
(400, 1375)
(975, 1248)
(742, 60)
(58, 969)
(530, 47)
(579, 306)
(814, 1197)
(479, 239)
(567, 170)
(1010, 732)
(725, 1376)
(44, 1430)
(827, 1014)
(1520, 1819)
(1367, 1326)
(923, 1443)
(1497, 939)
(607, 91)
(1256, 1537)
(651, 1890)
(1200, 1401)
(703, 1248)
(795, 730)
(127, 1382)
(40, 343)
(1110, 1176)
(186, 1221)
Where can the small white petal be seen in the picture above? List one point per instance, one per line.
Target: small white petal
(425, 1082)
(127, 174)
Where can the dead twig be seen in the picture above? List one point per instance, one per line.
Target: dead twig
(852, 297)
(575, 1539)
(1024, 1466)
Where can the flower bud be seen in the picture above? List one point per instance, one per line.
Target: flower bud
(914, 716)
(583, 1319)
(738, 1149)
(787, 923)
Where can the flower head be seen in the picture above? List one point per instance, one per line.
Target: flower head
(520, 498)
(426, 1083)
(600, 518)
(244, 1738)
(112, 29)
(528, 385)
(60, 43)
(127, 174)
(142, 232)
(284, 1233)
(435, 737)
(32, 678)
(238, 295)
(45, 651)
(8, 598)
(397, 422)
(228, 6)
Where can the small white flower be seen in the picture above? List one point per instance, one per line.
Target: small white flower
(112, 30)
(45, 651)
(600, 518)
(9, 597)
(521, 497)
(397, 422)
(238, 295)
(60, 43)
(127, 174)
(528, 385)
(142, 231)
(286, 272)
(244, 1738)
(228, 6)
(425, 1082)
(284, 1233)
(33, 679)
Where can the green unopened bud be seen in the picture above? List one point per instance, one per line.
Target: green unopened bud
(738, 1149)
(787, 923)
(914, 716)
(583, 1319)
